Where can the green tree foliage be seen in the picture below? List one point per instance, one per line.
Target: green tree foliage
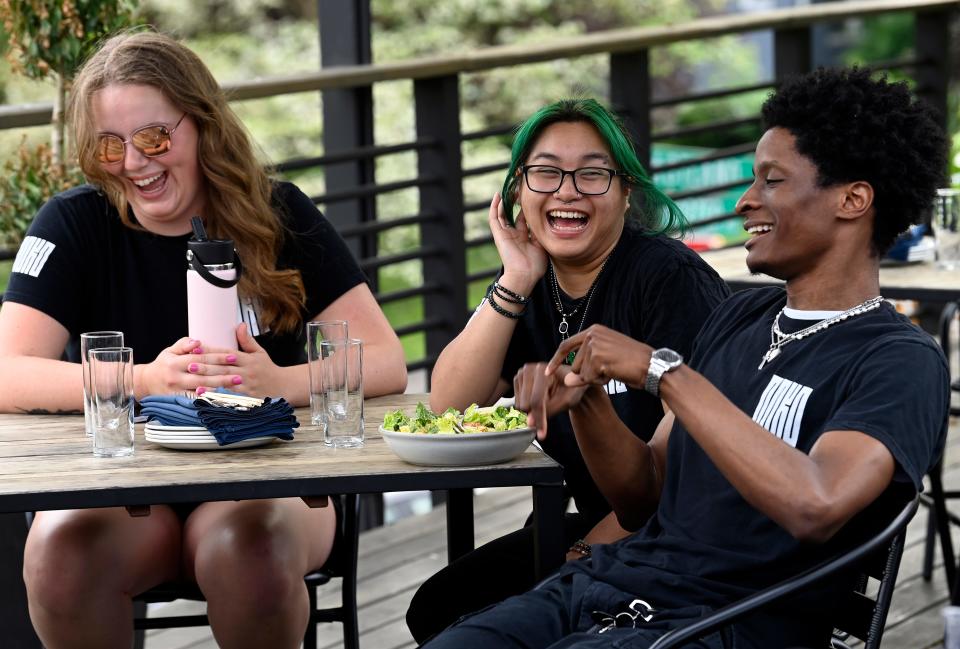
(53, 37)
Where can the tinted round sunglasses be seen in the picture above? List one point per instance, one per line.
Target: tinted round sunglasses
(150, 141)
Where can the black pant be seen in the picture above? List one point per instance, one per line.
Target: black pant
(491, 573)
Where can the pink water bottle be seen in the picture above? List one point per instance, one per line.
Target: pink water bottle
(213, 270)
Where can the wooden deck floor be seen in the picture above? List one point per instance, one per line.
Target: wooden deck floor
(395, 559)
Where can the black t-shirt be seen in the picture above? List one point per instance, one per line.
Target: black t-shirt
(81, 266)
(875, 373)
(653, 289)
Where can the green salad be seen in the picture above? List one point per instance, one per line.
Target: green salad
(473, 420)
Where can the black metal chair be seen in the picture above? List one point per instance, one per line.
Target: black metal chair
(346, 570)
(940, 518)
(860, 615)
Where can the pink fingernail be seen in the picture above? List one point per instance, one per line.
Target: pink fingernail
(198, 350)
(193, 367)
(191, 341)
(201, 390)
(237, 380)
(231, 358)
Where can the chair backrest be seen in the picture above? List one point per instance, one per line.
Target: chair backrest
(860, 615)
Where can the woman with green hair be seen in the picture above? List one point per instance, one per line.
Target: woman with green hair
(593, 242)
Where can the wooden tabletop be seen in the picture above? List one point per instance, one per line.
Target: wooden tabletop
(920, 281)
(46, 462)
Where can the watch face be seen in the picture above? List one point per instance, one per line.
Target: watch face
(667, 355)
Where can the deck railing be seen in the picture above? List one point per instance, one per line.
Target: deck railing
(441, 171)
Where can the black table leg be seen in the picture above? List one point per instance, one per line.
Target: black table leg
(549, 549)
(459, 523)
(14, 617)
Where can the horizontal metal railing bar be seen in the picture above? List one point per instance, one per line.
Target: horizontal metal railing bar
(705, 128)
(718, 154)
(492, 131)
(717, 219)
(423, 325)
(375, 189)
(357, 153)
(482, 275)
(407, 293)
(897, 64)
(714, 94)
(713, 189)
(375, 227)
(610, 41)
(477, 206)
(422, 364)
(373, 263)
(485, 169)
(476, 242)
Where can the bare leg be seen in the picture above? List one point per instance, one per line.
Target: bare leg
(82, 567)
(249, 559)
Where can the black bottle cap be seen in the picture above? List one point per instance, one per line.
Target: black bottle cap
(209, 252)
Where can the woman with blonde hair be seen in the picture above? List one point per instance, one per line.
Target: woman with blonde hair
(159, 144)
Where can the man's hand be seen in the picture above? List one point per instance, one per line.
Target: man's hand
(602, 354)
(541, 396)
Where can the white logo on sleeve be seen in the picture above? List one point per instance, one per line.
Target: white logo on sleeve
(32, 256)
(781, 408)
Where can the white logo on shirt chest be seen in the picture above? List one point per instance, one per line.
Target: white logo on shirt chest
(781, 407)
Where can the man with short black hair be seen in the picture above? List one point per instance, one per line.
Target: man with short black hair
(803, 415)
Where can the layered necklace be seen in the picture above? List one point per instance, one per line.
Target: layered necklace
(778, 339)
(584, 301)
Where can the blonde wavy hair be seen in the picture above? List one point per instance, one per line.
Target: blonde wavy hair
(238, 189)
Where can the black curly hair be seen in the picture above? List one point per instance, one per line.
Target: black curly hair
(854, 127)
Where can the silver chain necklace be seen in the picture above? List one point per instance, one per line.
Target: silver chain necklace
(778, 339)
(564, 327)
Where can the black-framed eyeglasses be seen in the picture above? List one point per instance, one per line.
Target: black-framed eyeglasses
(589, 181)
(151, 141)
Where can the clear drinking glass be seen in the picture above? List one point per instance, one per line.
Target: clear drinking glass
(343, 392)
(111, 380)
(88, 341)
(946, 224)
(318, 332)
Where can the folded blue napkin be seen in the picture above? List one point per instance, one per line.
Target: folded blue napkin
(228, 424)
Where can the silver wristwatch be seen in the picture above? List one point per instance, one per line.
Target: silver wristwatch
(662, 361)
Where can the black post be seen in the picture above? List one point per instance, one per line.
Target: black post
(630, 95)
(438, 120)
(931, 40)
(348, 116)
(792, 52)
(14, 618)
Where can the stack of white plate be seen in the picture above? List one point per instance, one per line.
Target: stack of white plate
(193, 438)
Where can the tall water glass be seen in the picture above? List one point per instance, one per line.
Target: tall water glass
(88, 341)
(318, 332)
(343, 392)
(946, 223)
(111, 379)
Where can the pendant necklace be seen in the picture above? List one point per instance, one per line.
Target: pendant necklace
(564, 328)
(778, 339)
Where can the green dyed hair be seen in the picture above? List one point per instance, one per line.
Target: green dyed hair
(650, 206)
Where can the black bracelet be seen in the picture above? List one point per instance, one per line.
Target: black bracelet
(507, 295)
(499, 309)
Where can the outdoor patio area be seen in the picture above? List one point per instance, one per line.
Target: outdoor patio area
(396, 558)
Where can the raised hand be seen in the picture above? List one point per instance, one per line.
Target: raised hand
(602, 354)
(524, 260)
(541, 395)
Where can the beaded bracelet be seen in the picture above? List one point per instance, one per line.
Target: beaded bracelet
(507, 295)
(499, 309)
(581, 547)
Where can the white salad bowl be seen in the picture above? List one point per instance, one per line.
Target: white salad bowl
(465, 449)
